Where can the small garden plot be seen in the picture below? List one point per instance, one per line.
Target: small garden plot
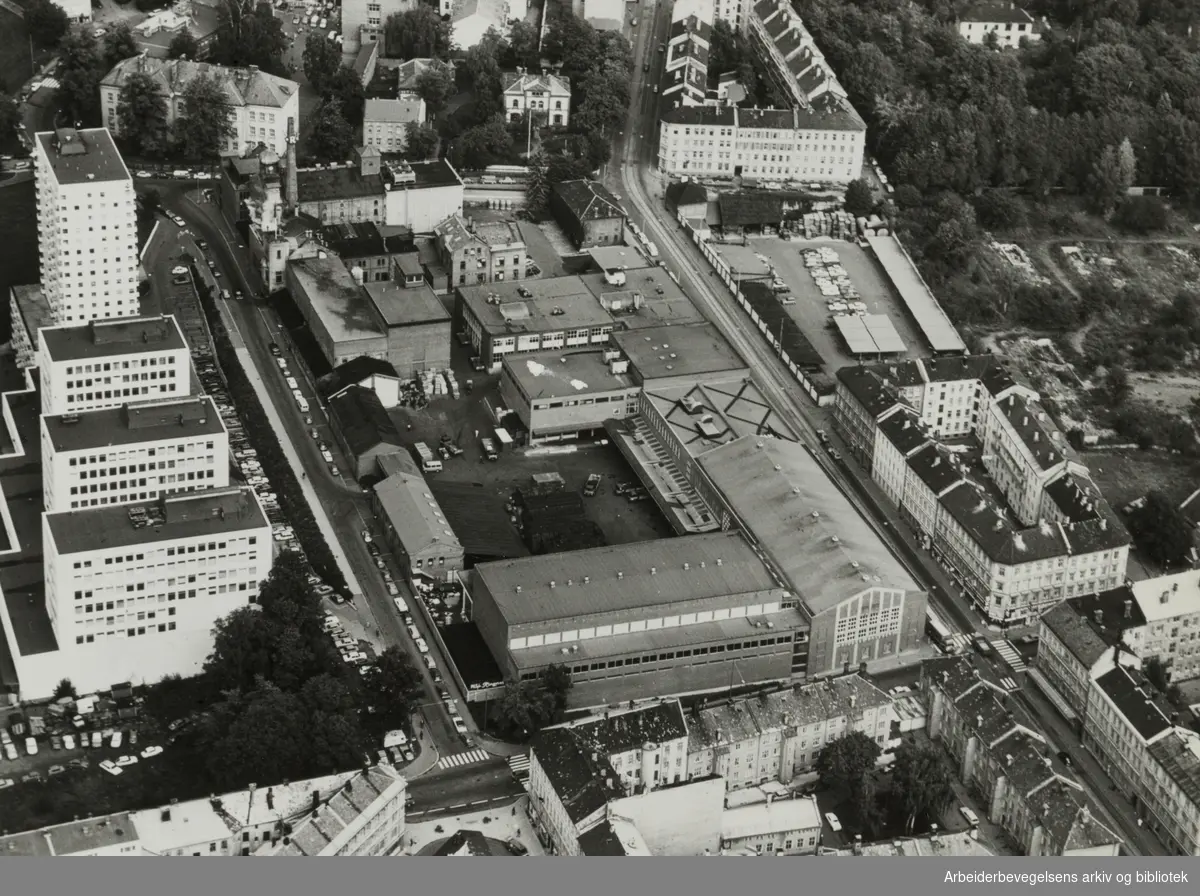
(1018, 259)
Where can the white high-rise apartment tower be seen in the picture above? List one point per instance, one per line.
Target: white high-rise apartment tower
(86, 227)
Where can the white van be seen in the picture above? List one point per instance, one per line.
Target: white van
(302, 404)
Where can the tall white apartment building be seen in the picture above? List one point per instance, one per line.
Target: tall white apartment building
(135, 452)
(108, 363)
(260, 105)
(87, 231)
(133, 590)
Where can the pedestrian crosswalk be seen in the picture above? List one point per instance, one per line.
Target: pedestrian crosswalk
(1010, 655)
(1009, 684)
(520, 766)
(468, 758)
(51, 84)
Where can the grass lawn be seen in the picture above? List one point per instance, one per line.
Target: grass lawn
(15, 61)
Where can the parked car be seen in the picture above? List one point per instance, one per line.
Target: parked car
(31, 746)
(969, 814)
(833, 821)
(111, 767)
(593, 485)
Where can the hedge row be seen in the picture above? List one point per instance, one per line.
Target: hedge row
(270, 454)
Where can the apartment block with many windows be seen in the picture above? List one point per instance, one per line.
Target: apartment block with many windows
(933, 432)
(823, 143)
(133, 453)
(1003, 760)
(1152, 760)
(87, 232)
(151, 575)
(779, 736)
(109, 363)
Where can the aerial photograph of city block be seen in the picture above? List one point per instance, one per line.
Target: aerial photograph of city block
(599, 428)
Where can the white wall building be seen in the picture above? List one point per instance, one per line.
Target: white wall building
(788, 827)
(87, 232)
(385, 122)
(260, 105)
(1003, 19)
(818, 144)
(133, 590)
(1171, 605)
(548, 95)
(242, 823)
(133, 453)
(108, 363)
(76, 10)
(471, 19)
(363, 21)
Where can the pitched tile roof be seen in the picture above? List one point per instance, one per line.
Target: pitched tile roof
(588, 200)
(240, 86)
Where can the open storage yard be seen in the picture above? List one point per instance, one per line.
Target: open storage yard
(810, 311)
(466, 419)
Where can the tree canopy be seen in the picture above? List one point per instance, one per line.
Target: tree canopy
(183, 46)
(205, 124)
(527, 706)
(417, 33)
(922, 785)
(79, 74)
(142, 115)
(47, 22)
(421, 142)
(1161, 530)
(844, 763)
(435, 86)
(248, 33)
(119, 45)
(322, 59)
(332, 135)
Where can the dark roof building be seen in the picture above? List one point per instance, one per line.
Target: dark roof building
(364, 429)
(356, 372)
(588, 212)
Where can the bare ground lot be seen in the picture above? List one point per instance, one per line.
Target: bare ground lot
(1124, 476)
(1127, 475)
(1169, 391)
(810, 312)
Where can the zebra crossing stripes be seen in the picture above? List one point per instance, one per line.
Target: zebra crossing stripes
(1010, 655)
(51, 84)
(468, 758)
(520, 766)
(1009, 684)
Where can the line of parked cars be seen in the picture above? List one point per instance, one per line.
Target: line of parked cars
(107, 738)
(349, 647)
(177, 174)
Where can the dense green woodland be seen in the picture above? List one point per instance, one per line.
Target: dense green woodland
(1110, 96)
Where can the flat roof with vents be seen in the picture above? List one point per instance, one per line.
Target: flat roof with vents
(623, 581)
(143, 421)
(566, 374)
(680, 351)
(870, 334)
(116, 336)
(217, 511)
(83, 156)
(553, 304)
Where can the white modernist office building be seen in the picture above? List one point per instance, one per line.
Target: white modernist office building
(132, 453)
(108, 363)
(87, 232)
(133, 590)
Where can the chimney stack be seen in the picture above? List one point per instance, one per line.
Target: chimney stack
(291, 195)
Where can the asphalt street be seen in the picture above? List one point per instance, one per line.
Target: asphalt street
(636, 179)
(347, 507)
(458, 790)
